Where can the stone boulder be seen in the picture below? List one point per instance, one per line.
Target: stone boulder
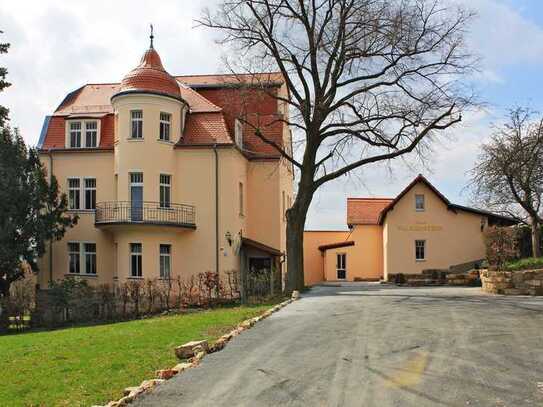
(189, 349)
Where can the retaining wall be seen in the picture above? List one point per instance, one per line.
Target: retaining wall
(528, 282)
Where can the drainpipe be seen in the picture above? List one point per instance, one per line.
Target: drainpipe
(216, 208)
(51, 240)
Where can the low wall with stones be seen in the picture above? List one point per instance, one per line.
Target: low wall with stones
(529, 282)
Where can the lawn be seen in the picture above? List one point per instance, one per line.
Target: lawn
(81, 366)
(530, 263)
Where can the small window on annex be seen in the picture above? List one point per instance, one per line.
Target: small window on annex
(419, 203)
(420, 250)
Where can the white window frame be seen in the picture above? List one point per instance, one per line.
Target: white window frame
(423, 200)
(417, 246)
(76, 190)
(341, 258)
(166, 187)
(69, 125)
(81, 192)
(165, 127)
(85, 189)
(81, 254)
(163, 257)
(132, 121)
(82, 132)
(85, 254)
(75, 253)
(135, 254)
(238, 133)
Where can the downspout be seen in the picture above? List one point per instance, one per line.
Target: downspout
(51, 240)
(216, 209)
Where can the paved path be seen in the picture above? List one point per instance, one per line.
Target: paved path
(370, 345)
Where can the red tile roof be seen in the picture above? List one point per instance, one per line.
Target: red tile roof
(373, 211)
(55, 138)
(205, 129)
(150, 76)
(213, 95)
(365, 211)
(220, 80)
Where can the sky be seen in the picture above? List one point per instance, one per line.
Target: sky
(57, 46)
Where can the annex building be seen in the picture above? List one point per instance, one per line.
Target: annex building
(167, 175)
(419, 229)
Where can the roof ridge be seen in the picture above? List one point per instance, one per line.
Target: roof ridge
(370, 198)
(229, 74)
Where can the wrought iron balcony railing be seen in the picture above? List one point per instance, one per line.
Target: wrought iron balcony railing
(131, 212)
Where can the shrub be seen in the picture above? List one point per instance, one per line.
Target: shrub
(501, 245)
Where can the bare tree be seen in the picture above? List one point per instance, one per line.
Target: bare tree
(508, 176)
(367, 80)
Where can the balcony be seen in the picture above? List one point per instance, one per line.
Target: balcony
(144, 213)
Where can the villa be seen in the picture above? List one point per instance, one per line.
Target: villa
(168, 177)
(419, 229)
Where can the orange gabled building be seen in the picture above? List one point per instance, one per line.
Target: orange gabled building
(417, 230)
(167, 175)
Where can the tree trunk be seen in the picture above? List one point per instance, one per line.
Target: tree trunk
(536, 238)
(296, 216)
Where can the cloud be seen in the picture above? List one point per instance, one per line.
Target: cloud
(57, 46)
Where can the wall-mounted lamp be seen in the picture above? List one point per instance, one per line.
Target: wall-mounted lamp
(228, 237)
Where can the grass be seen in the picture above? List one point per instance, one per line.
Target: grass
(529, 263)
(87, 365)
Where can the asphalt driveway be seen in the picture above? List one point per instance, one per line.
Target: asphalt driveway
(371, 345)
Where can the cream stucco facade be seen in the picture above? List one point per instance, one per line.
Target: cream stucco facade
(201, 200)
(399, 237)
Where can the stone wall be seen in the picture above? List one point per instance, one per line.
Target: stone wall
(529, 282)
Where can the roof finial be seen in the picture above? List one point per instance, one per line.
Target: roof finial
(151, 36)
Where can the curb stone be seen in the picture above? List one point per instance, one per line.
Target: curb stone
(199, 352)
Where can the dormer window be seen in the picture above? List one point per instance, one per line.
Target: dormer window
(136, 124)
(238, 133)
(82, 134)
(419, 203)
(91, 134)
(165, 122)
(75, 134)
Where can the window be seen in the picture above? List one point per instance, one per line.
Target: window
(73, 193)
(241, 206)
(135, 260)
(136, 177)
(76, 250)
(165, 190)
(238, 133)
(90, 257)
(75, 134)
(165, 260)
(136, 118)
(420, 250)
(419, 203)
(74, 266)
(90, 193)
(165, 119)
(341, 266)
(91, 134)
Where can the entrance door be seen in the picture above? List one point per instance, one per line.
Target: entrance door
(341, 266)
(136, 196)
